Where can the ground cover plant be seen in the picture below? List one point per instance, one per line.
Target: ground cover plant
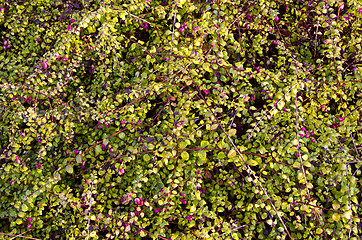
(180, 119)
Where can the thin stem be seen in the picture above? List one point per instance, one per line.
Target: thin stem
(7, 234)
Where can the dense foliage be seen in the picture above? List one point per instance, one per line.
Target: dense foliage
(180, 120)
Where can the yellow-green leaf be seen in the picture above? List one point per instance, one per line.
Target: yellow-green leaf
(281, 105)
(201, 154)
(69, 169)
(304, 149)
(193, 208)
(232, 132)
(206, 66)
(213, 127)
(191, 224)
(307, 164)
(296, 164)
(204, 144)
(183, 145)
(98, 149)
(300, 176)
(252, 162)
(336, 217)
(185, 156)
(347, 215)
(221, 155)
(146, 157)
(231, 153)
(79, 158)
(24, 208)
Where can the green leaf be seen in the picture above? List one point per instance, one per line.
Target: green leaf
(193, 209)
(185, 155)
(98, 149)
(221, 155)
(191, 224)
(204, 144)
(296, 164)
(202, 156)
(121, 135)
(183, 145)
(146, 157)
(24, 207)
(206, 66)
